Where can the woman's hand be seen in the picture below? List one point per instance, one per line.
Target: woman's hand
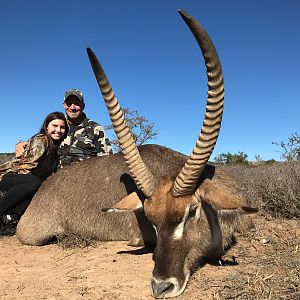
(20, 147)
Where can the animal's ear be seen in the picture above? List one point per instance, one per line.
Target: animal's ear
(222, 198)
(130, 202)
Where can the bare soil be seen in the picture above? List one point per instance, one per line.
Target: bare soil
(264, 264)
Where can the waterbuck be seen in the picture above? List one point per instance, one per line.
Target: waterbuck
(192, 209)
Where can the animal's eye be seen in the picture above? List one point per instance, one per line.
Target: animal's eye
(192, 211)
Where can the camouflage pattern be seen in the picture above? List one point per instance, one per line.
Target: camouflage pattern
(74, 92)
(86, 140)
(36, 160)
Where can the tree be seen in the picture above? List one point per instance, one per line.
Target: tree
(141, 129)
(228, 158)
(290, 150)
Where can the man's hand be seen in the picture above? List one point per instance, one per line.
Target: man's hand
(20, 147)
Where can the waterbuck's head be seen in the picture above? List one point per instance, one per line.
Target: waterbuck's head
(183, 210)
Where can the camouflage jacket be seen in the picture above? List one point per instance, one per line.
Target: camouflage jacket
(36, 160)
(86, 140)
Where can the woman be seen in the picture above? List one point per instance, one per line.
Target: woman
(21, 177)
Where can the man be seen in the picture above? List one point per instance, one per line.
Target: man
(85, 137)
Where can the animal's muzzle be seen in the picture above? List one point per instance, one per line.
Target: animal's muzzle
(161, 288)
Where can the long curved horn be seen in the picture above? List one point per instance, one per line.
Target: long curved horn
(138, 170)
(187, 178)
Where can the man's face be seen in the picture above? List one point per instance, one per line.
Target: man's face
(73, 107)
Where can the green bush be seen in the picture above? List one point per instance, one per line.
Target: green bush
(228, 158)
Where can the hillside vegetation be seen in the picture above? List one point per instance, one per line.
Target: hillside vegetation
(4, 157)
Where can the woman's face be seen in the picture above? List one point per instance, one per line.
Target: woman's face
(56, 129)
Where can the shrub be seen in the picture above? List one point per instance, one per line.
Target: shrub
(228, 158)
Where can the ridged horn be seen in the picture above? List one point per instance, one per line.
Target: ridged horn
(138, 170)
(187, 179)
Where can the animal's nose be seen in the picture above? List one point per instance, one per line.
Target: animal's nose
(159, 287)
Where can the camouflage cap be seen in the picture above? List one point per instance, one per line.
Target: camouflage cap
(74, 92)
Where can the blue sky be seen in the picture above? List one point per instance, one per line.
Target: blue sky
(154, 66)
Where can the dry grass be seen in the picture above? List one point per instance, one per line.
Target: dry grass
(273, 268)
(268, 267)
(70, 241)
(273, 188)
(4, 157)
